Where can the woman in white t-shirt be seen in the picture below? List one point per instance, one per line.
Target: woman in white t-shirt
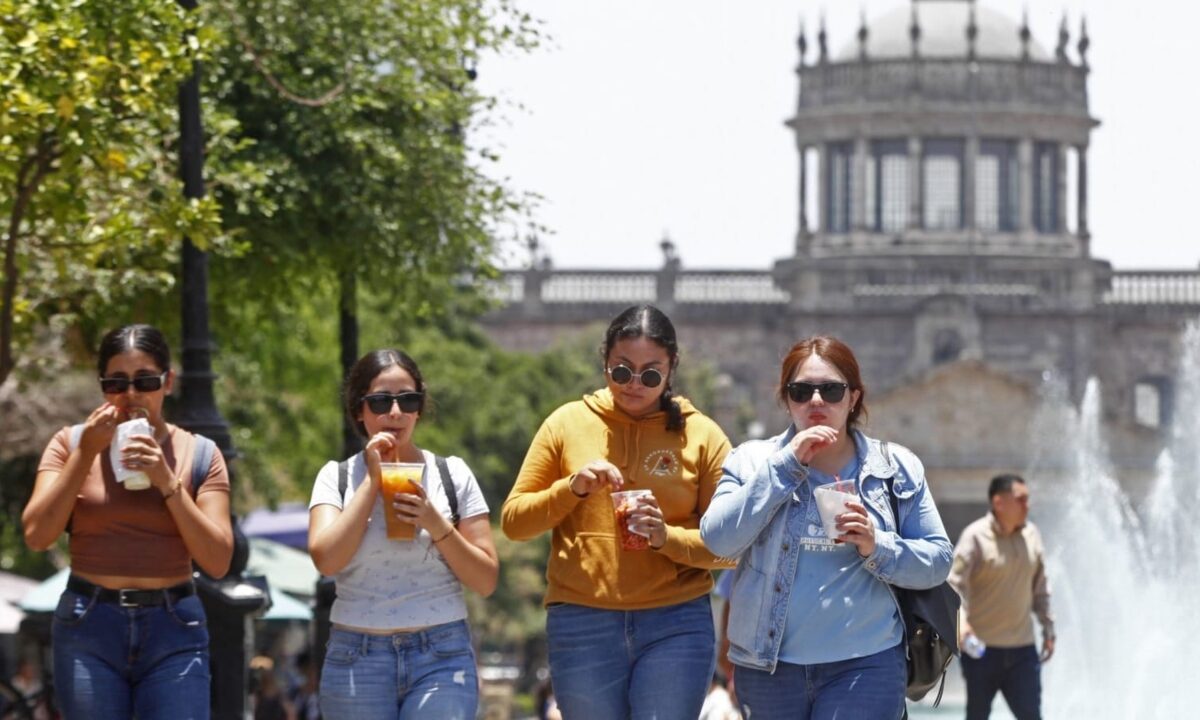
(399, 647)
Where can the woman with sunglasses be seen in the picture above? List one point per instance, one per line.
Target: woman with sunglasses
(814, 630)
(630, 631)
(399, 647)
(129, 633)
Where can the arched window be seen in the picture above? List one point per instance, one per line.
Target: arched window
(1045, 187)
(947, 346)
(942, 184)
(1152, 401)
(887, 186)
(837, 187)
(996, 189)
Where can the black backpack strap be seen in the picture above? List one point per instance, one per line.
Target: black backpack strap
(343, 480)
(201, 461)
(448, 486)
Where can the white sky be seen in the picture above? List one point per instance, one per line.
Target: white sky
(645, 116)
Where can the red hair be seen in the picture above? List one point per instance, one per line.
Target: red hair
(836, 353)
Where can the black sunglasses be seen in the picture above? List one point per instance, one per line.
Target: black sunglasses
(831, 392)
(623, 375)
(141, 383)
(381, 403)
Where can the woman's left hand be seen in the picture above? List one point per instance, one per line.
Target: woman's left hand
(416, 509)
(143, 453)
(647, 519)
(856, 528)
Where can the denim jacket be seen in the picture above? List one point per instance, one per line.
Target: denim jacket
(749, 512)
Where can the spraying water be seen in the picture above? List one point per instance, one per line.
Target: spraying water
(1124, 571)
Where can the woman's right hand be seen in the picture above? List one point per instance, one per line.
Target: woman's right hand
(810, 441)
(596, 475)
(380, 448)
(99, 428)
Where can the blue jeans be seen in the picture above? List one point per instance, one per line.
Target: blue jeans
(425, 674)
(115, 663)
(652, 664)
(1015, 672)
(867, 687)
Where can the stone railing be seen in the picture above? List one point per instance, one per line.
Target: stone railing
(1154, 287)
(892, 82)
(699, 287)
(752, 287)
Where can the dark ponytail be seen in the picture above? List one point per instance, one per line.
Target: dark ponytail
(649, 322)
(668, 403)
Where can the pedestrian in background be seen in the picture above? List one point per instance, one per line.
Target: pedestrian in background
(1000, 571)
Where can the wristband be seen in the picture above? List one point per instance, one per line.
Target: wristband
(174, 489)
(448, 534)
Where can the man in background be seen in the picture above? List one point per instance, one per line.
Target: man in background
(999, 570)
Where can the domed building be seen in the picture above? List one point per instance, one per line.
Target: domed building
(942, 231)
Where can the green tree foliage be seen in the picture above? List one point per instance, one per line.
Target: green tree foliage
(89, 198)
(359, 112)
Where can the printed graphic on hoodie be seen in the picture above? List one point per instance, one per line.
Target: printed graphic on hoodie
(662, 463)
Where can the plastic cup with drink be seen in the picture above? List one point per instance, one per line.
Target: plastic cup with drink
(831, 501)
(399, 477)
(138, 424)
(624, 503)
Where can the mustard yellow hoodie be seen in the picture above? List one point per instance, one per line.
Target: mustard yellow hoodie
(587, 565)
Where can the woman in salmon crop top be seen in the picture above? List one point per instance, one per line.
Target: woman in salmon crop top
(129, 634)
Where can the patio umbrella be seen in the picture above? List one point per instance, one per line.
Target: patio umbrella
(12, 589)
(288, 524)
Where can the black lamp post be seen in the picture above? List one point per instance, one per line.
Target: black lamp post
(229, 603)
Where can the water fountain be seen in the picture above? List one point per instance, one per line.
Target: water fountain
(1124, 571)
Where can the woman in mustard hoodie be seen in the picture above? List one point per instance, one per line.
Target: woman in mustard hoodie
(629, 626)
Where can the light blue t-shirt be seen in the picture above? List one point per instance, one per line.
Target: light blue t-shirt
(837, 609)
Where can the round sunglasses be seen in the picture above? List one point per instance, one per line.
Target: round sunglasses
(381, 403)
(831, 392)
(141, 383)
(623, 375)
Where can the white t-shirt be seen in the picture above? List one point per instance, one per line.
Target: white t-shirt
(397, 583)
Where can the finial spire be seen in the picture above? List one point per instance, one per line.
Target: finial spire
(914, 31)
(802, 42)
(972, 31)
(822, 41)
(1084, 42)
(1025, 34)
(1064, 37)
(863, 33)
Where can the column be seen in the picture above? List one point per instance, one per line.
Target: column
(1025, 171)
(915, 201)
(1081, 220)
(1060, 187)
(970, 156)
(823, 186)
(803, 189)
(858, 186)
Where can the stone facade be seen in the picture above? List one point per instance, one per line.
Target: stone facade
(944, 251)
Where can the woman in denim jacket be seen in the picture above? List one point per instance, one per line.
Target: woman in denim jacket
(814, 628)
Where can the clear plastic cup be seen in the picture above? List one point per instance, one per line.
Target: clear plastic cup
(831, 501)
(624, 503)
(128, 477)
(395, 478)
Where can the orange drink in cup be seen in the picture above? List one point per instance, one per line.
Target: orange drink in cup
(624, 503)
(398, 477)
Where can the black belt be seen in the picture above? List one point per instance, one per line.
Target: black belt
(132, 597)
